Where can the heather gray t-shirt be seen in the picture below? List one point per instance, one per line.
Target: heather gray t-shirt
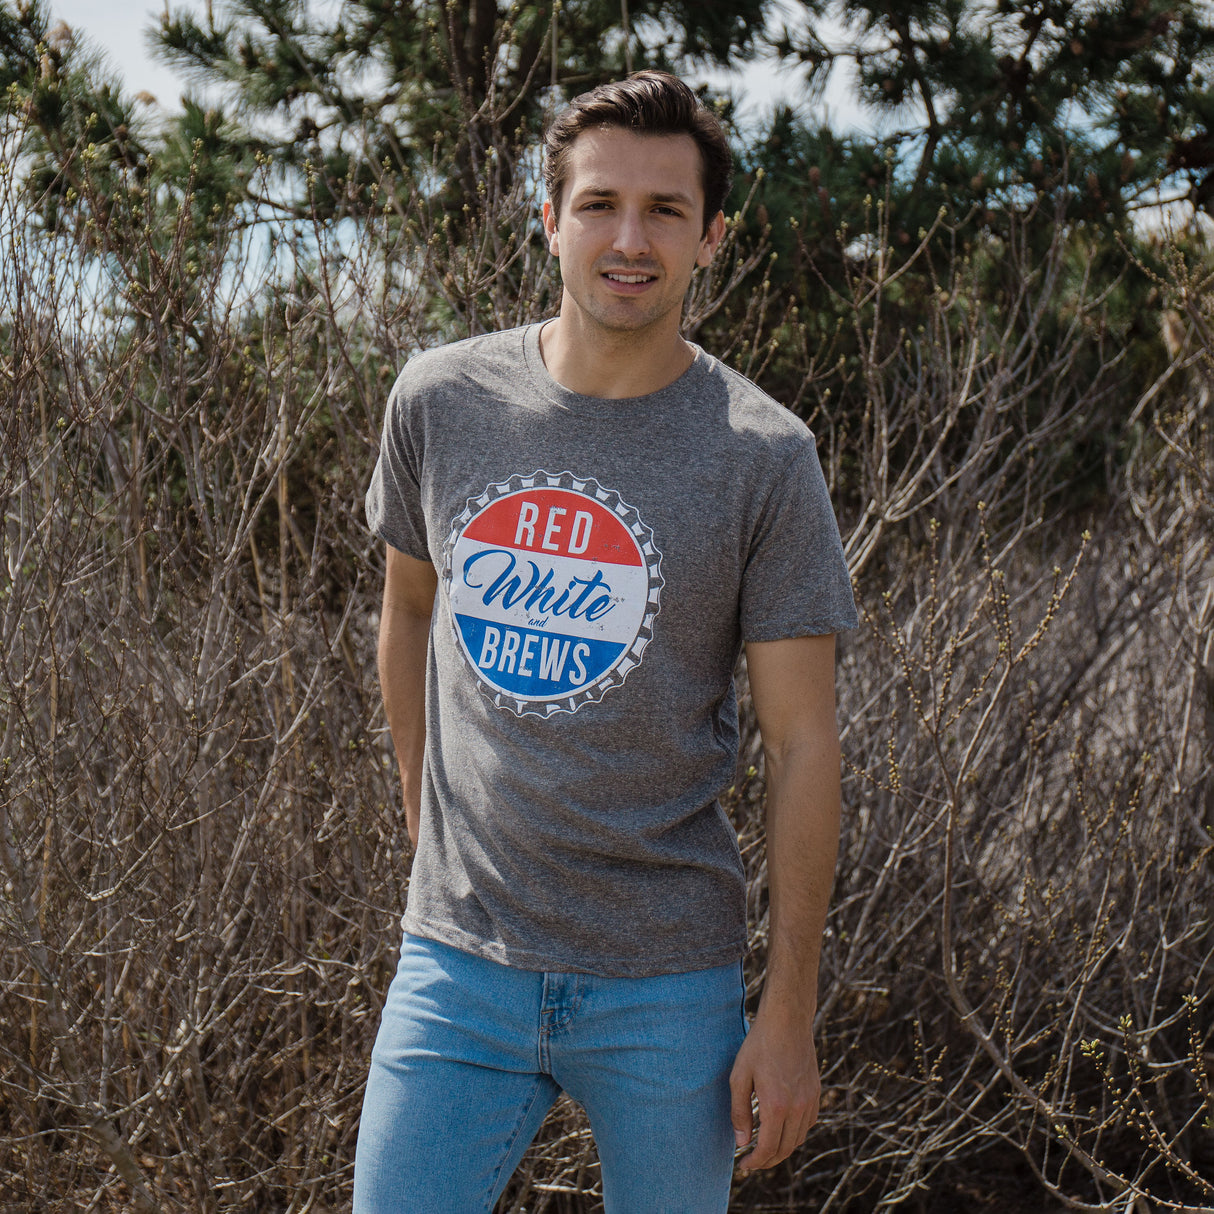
(600, 564)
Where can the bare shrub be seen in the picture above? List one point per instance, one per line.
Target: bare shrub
(201, 866)
(202, 857)
(1016, 984)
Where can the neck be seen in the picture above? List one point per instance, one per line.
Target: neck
(612, 365)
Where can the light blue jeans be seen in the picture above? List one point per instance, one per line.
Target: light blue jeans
(471, 1055)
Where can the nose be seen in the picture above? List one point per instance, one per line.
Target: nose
(631, 239)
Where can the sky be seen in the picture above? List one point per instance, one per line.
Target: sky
(118, 28)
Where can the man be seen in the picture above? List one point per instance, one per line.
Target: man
(586, 519)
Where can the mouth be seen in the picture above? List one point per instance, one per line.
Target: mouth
(633, 279)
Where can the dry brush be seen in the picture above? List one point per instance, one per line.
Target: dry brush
(201, 853)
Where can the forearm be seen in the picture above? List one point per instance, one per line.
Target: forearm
(404, 632)
(802, 844)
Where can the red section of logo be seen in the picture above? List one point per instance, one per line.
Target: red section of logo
(556, 521)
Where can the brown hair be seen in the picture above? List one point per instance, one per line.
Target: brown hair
(649, 103)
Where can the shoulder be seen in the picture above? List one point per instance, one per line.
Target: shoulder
(485, 361)
(757, 421)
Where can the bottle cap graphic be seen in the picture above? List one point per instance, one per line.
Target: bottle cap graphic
(554, 584)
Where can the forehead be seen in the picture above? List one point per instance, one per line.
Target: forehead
(618, 160)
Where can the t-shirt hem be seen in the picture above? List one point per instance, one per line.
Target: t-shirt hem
(400, 543)
(818, 628)
(603, 967)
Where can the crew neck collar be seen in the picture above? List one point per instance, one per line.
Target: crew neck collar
(607, 406)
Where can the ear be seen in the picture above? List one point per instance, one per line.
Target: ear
(712, 238)
(550, 229)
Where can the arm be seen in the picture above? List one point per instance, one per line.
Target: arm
(793, 687)
(404, 630)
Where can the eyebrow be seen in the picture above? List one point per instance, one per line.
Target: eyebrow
(603, 191)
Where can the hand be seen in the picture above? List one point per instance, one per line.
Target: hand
(778, 1064)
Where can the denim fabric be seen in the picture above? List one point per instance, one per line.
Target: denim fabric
(471, 1055)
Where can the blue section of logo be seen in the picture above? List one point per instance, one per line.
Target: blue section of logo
(534, 664)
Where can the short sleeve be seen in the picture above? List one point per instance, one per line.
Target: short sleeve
(795, 581)
(394, 498)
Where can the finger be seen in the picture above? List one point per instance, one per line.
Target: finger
(791, 1138)
(812, 1109)
(788, 1126)
(796, 1129)
(811, 1118)
(767, 1145)
(801, 1120)
(740, 1113)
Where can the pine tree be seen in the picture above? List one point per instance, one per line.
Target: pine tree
(65, 116)
(94, 151)
(999, 129)
(1104, 107)
(432, 92)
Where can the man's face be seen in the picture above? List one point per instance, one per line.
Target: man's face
(630, 229)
